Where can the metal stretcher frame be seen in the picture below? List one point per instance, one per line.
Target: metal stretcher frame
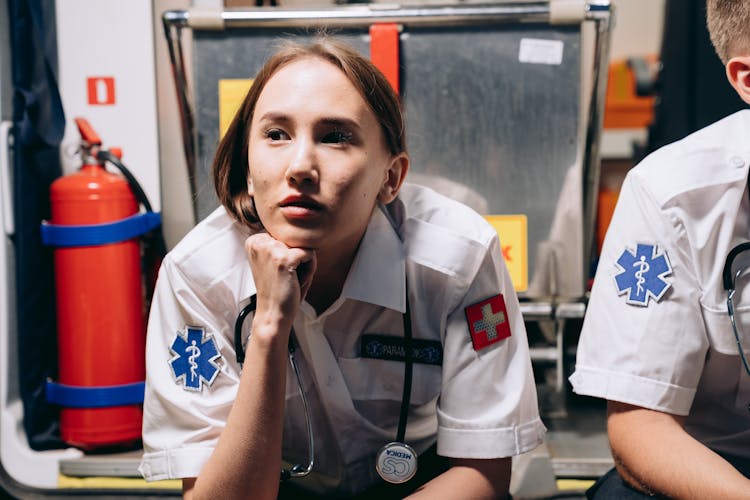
(558, 310)
(554, 12)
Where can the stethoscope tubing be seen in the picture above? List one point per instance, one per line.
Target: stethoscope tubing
(298, 470)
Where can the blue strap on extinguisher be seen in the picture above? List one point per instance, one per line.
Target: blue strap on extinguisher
(109, 232)
(57, 235)
(71, 396)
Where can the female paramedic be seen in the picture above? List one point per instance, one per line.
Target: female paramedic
(327, 325)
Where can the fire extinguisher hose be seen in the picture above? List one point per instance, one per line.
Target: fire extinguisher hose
(140, 195)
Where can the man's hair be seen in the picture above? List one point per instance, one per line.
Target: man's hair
(728, 24)
(230, 167)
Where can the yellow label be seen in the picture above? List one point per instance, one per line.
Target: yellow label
(512, 230)
(124, 483)
(231, 94)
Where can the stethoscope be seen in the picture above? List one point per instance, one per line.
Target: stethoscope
(729, 285)
(729, 281)
(396, 462)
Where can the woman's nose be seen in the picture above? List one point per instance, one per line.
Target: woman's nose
(303, 166)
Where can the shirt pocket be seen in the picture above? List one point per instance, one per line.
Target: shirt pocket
(720, 332)
(380, 379)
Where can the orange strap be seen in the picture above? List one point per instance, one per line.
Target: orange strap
(384, 51)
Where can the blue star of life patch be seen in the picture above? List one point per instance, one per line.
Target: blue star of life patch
(195, 358)
(642, 274)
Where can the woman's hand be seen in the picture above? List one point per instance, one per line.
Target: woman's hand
(282, 277)
(247, 457)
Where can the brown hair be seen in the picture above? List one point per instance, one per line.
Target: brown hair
(230, 166)
(728, 24)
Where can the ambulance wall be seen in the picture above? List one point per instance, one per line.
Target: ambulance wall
(19, 465)
(637, 33)
(106, 74)
(118, 49)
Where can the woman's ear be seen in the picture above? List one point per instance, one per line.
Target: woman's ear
(394, 177)
(738, 73)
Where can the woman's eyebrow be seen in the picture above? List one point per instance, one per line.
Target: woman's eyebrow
(329, 121)
(339, 122)
(275, 116)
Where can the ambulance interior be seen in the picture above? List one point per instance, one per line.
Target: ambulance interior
(511, 108)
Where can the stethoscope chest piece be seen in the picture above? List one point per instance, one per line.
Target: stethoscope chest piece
(396, 462)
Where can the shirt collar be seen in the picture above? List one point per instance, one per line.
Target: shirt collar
(378, 272)
(377, 275)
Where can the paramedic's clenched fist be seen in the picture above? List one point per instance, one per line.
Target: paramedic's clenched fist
(282, 278)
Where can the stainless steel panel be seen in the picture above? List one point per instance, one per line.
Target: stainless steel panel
(498, 134)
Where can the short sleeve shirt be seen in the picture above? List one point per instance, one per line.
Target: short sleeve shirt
(657, 333)
(479, 403)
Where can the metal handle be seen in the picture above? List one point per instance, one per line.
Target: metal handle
(352, 16)
(87, 132)
(551, 11)
(5, 178)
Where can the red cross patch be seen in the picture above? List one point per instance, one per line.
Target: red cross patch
(488, 322)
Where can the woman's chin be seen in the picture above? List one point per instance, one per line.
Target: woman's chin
(293, 239)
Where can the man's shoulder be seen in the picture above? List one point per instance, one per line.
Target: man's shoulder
(716, 155)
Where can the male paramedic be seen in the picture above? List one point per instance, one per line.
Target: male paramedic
(660, 341)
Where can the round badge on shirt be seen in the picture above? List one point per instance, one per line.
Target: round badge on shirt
(396, 462)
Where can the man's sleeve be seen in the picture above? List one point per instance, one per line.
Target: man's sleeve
(643, 340)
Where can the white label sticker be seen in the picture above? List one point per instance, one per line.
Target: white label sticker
(537, 51)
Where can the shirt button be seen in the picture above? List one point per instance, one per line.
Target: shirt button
(737, 161)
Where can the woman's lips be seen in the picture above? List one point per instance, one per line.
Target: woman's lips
(300, 207)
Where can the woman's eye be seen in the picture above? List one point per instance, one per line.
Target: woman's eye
(276, 135)
(337, 137)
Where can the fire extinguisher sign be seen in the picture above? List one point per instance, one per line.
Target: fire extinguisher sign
(101, 90)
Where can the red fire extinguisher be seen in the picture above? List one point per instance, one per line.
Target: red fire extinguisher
(95, 226)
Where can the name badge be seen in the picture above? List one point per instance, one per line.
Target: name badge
(393, 348)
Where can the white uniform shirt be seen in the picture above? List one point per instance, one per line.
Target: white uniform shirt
(671, 347)
(481, 404)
